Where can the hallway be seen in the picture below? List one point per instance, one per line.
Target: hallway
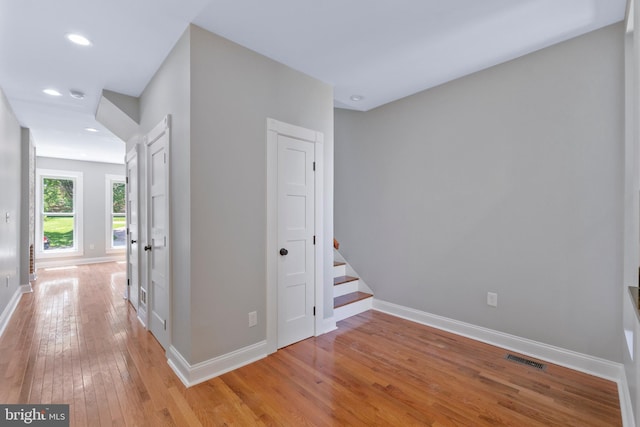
(75, 340)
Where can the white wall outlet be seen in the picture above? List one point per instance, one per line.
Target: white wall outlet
(253, 319)
(492, 299)
(92, 246)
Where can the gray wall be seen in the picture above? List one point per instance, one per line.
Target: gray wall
(219, 95)
(168, 92)
(94, 205)
(510, 181)
(10, 177)
(233, 92)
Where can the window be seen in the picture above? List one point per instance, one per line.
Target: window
(116, 213)
(59, 225)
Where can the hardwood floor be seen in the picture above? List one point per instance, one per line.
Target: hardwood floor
(75, 340)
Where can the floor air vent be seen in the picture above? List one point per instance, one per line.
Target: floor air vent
(524, 361)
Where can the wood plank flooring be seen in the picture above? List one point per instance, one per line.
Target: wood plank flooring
(75, 340)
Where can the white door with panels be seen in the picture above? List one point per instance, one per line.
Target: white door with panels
(133, 260)
(157, 244)
(296, 235)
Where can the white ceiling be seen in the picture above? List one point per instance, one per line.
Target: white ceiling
(381, 50)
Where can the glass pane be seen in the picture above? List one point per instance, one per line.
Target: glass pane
(118, 197)
(57, 195)
(58, 232)
(119, 230)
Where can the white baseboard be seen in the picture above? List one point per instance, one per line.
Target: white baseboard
(5, 316)
(570, 359)
(328, 325)
(191, 375)
(52, 263)
(626, 407)
(144, 325)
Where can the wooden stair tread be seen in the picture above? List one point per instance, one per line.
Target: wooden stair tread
(349, 298)
(343, 279)
(338, 263)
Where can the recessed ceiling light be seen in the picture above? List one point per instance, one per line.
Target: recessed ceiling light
(91, 130)
(78, 39)
(76, 94)
(357, 98)
(52, 92)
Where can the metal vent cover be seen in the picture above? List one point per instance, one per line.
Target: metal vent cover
(524, 361)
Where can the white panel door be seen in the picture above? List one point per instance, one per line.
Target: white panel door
(133, 260)
(157, 233)
(296, 266)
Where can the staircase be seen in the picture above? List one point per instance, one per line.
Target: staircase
(348, 297)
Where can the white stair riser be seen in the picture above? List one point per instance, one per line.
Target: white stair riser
(339, 270)
(352, 309)
(345, 288)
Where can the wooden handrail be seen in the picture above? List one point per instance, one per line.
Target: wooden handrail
(336, 244)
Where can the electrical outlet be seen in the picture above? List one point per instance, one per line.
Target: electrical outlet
(492, 299)
(92, 246)
(253, 319)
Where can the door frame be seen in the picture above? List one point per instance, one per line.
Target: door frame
(163, 127)
(275, 128)
(131, 154)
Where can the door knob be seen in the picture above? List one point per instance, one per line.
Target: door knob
(147, 248)
(283, 251)
(133, 241)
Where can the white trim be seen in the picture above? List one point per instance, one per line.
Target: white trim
(328, 325)
(109, 180)
(626, 407)
(191, 375)
(78, 261)
(141, 320)
(275, 128)
(8, 311)
(570, 359)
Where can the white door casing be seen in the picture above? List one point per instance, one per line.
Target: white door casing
(133, 232)
(294, 217)
(157, 222)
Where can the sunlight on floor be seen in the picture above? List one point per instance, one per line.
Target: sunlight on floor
(71, 267)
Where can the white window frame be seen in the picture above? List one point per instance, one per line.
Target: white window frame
(78, 228)
(109, 181)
